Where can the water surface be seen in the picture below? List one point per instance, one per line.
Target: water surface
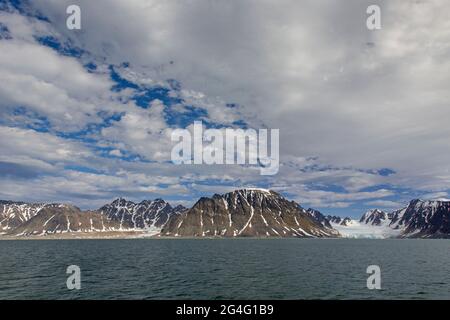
(225, 269)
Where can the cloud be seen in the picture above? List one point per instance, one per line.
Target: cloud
(24, 144)
(306, 68)
(55, 87)
(442, 196)
(141, 131)
(348, 101)
(386, 204)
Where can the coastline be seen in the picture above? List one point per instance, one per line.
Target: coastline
(134, 235)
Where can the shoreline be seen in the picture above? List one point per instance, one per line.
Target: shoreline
(139, 236)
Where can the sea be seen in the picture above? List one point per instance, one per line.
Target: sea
(225, 269)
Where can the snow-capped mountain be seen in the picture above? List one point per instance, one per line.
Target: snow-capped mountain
(58, 219)
(420, 219)
(319, 217)
(350, 228)
(246, 213)
(396, 219)
(346, 222)
(334, 219)
(241, 213)
(423, 219)
(144, 215)
(338, 220)
(25, 219)
(374, 217)
(13, 214)
(373, 224)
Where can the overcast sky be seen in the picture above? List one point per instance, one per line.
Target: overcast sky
(86, 115)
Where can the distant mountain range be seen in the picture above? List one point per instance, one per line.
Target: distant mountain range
(420, 219)
(23, 219)
(241, 213)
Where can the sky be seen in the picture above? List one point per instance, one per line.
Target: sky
(86, 115)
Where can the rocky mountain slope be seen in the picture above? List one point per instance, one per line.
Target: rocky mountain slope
(246, 213)
(374, 217)
(66, 219)
(338, 220)
(27, 219)
(317, 215)
(423, 219)
(242, 213)
(144, 215)
(420, 219)
(14, 214)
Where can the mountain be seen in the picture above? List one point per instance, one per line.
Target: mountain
(333, 220)
(26, 219)
(420, 219)
(374, 217)
(64, 218)
(366, 227)
(241, 213)
(346, 222)
(396, 219)
(14, 214)
(246, 213)
(144, 215)
(423, 219)
(317, 215)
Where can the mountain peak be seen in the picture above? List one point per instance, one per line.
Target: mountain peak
(250, 192)
(120, 201)
(246, 213)
(143, 215)
(179, 208)
(374, 217)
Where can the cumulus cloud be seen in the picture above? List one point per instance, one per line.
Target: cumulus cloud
(50, 85)
(348, 101)
(19, 143)
(387, 204)
(339, 91)
(142, 131)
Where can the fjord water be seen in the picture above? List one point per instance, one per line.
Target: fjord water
(225, 269)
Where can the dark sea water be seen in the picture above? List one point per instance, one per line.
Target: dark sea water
(225, 269)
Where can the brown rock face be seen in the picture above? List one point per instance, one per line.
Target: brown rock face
(63, 219)
(14, 214)
(246, 213)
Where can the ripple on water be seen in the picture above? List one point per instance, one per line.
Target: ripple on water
(225, 269)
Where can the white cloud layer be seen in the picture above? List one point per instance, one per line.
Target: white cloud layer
(355, 100)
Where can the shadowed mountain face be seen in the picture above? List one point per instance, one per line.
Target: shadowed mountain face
(242, 213)
(317, 215)
(338, 220)
(246, 213)
(143, 215)
(420, 219)
(374, 217)
(424, 219)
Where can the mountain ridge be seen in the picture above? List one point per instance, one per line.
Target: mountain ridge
(244, 212)
(419, 219)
